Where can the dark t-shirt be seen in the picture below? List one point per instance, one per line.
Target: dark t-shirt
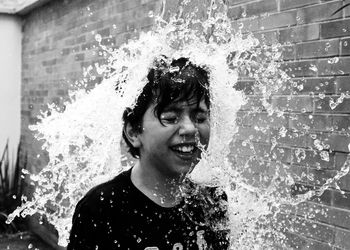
(116, 215)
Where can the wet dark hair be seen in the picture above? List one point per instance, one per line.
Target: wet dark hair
(167, 84)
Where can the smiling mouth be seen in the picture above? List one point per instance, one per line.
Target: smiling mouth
(184, 149)
(185, 152)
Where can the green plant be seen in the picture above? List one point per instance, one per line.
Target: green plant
(11, 187)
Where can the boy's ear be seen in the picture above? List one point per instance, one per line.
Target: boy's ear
(132, 135)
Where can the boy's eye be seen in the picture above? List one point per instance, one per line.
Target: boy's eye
(201, 117)
(169, 117)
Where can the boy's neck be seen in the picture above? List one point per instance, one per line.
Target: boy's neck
(163, 191)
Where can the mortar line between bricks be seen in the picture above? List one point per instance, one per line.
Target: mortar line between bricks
(314, 221)
(287, 146)
(297, 95)
(300, 216)
(315, 59)
(324, 224)
(331, 207)
(262, 15)
(284, 145)
(321, 40)
(315, 185)
(292, 26)
(312, 239)
(320, 114)
(267, 14)
(333, 20)
(243, 4)
(315, 77)
(310, 77)
(315, 4)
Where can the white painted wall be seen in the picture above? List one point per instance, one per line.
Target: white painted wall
(10, 80)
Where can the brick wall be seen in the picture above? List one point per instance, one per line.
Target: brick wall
(315, 54)
(59, 42)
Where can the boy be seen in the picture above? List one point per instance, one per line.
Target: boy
(152, 205)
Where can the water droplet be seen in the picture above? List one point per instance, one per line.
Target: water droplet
(300, 154)
(311, 177)
(305, 127)
(282, 132)
(30, 246)
(333, 60)
(324, 156)
(25, 171)
(318, 166)
(328, 45)
(313, 68)
(321, 95)
(139, 240)
(98, 38)
(299, 19)
(318, 144)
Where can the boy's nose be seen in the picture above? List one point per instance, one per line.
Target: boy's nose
(187, 127)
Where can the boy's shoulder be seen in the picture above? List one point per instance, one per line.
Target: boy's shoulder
(106, 195)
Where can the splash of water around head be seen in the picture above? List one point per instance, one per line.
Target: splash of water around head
(83, 142)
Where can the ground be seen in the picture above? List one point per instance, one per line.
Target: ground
(21, 241)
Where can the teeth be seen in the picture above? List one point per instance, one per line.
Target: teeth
(184, 149)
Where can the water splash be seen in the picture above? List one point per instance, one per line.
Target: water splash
(83, 141)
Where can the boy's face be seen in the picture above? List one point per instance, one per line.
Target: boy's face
(172, 149)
